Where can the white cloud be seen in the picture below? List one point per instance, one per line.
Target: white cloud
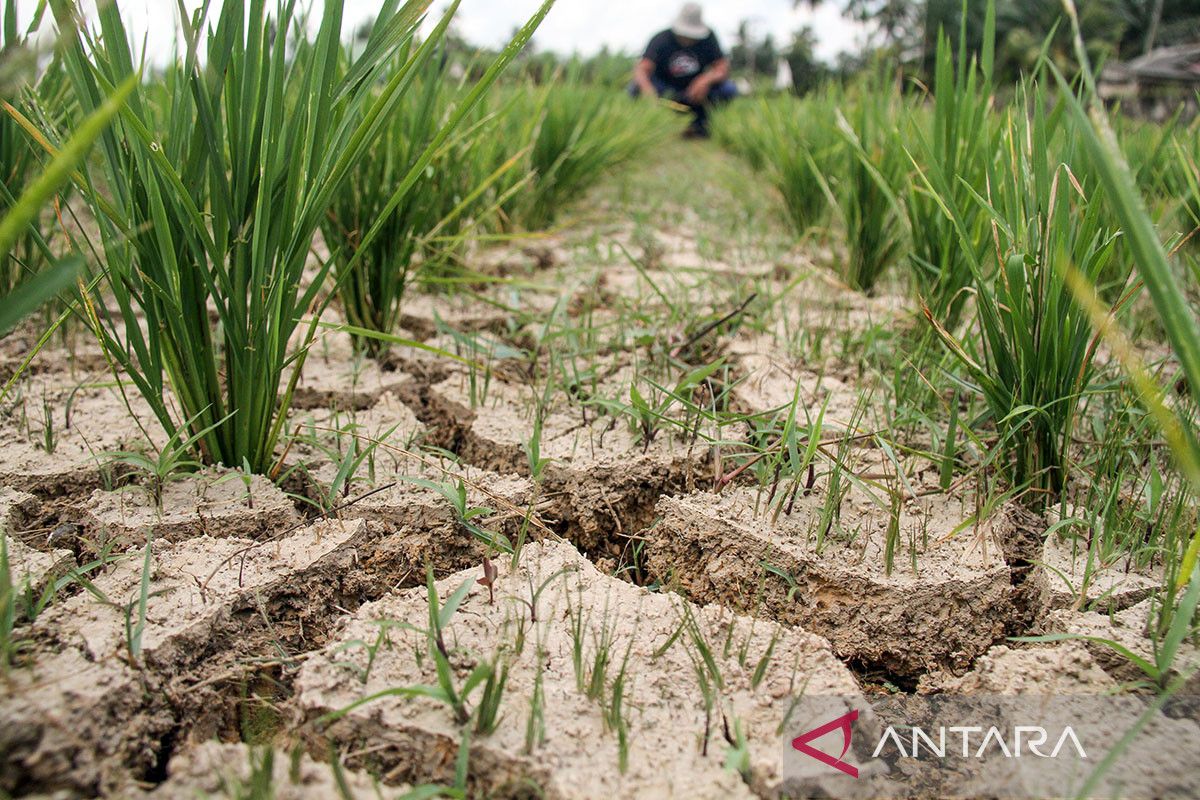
(582, 26)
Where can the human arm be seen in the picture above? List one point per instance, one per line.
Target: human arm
(641, 76)
(698, 89)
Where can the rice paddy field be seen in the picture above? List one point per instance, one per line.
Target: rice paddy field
(375, 429)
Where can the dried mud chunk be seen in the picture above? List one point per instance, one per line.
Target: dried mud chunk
(717, 548)
(196, 585)
(1067, 577)
(35, 569)
(211, 503)
(16, 509)
(28, 567)
(80, 716)
(72, 723)
(1129, 629)
(1066, 668)
(83, 426)
(214, 770)
(416, 738)
(601, 479)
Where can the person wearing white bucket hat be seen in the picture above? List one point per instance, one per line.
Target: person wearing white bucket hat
(685, 63)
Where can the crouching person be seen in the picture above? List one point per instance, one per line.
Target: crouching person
(685, 64)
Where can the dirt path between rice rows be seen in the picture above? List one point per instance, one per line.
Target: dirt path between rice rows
(651, 625)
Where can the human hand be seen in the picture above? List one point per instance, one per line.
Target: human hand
(697, 91)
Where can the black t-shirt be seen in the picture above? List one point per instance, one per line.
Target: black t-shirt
(676, 65)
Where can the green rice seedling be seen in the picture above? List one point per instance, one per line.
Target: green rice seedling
(790, 462)
(1033, 361)
(1174, 617)
(172, 462)
(259, 783)
(134, 628)
(246, 476)
(704, 666)
(535, 594)
(535, 724)
(952, 159)
(794, 145)
(580, 133)
(614, 710)
(868, 204)
(446, 691)
(348, 454)
(9, 644)
(455, 493)
(596, 675)
(737, 756)
(215, 201)
(487, 712)
(537, 467)
(648, 415)
(764, 663)
(1183, 177)
(427, 227)
(382, 640)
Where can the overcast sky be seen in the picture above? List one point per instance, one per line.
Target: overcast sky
(582, 26)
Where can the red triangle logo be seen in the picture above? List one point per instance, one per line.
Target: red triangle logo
(801, 743)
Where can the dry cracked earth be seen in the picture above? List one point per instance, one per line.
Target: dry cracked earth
(657, 619)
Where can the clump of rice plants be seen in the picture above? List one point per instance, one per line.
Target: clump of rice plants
(425, 228)
(1031, 357)
(951, 160)
(868, 204)
(1182, 178)
(19, 161)
(855, 167)
(28, 276)
(207, 208)
(577, 134)
(791, 143)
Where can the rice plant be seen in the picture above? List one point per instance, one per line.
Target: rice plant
(18, 159)
(872, 169)
(25, 192)
(951, 160)
(427, 230)
(1032, 362)
(793, 145)
(1183, 177)
(1177, 315)
(577, 134)
(207, 208)
(1173, 619)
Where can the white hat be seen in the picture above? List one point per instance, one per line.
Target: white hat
(690, 23)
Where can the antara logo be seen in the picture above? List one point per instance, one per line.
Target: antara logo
(1031, 738)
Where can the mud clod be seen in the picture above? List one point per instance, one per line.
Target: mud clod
(214, 503)
(673, 747)
(92, 706)
(601, 481)
(941, 614)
